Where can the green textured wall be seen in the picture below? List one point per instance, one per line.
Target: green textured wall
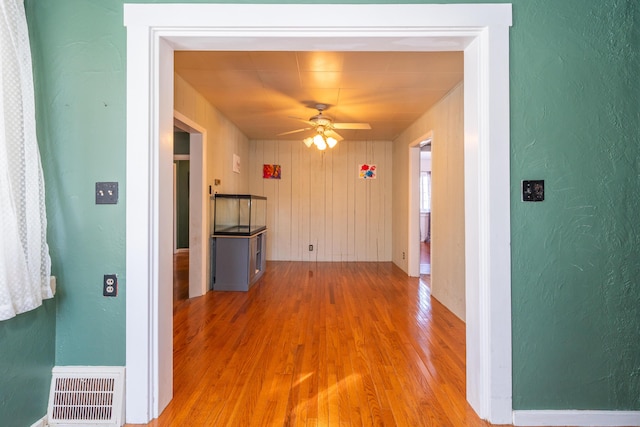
(27, 345)
(575, 257)
(575, 123)
(78, 50)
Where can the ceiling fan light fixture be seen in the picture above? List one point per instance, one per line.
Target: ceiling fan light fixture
(324, 128)
(320, 142)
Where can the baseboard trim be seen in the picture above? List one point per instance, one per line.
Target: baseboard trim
(577, 418)
(42, 422)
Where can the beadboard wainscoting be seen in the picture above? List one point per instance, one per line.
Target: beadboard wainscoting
(320, 200)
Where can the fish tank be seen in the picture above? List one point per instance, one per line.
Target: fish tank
(238, 214)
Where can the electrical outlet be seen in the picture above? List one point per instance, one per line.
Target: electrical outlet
(110, 285)
(310, 248)
(403, 255)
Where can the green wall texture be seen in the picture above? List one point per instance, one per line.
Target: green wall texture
(575, 123)
(27, 345)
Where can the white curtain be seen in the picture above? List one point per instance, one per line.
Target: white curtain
(25, 266)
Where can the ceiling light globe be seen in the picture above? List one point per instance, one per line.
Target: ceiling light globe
(308, 142)
(331, 142)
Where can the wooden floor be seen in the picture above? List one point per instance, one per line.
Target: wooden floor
(425, 258)
(318, 344)
(425, 253)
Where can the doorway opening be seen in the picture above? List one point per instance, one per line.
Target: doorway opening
(198, 267)
(155, 31)
(181, 198)
(180, 191)
(425, 209)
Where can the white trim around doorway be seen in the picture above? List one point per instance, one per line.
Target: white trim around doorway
(155, 31)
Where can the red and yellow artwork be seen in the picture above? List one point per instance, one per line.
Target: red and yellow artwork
(271, 171)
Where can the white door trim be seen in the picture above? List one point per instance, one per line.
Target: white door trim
(154, 31)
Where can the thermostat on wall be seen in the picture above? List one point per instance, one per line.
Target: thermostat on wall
(533, 190)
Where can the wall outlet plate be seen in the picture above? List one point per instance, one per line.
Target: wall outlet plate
(533, 190)
(110, 285)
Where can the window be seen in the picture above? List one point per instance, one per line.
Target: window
(425, 191)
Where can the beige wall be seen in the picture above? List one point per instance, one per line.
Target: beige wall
(445, 121)
(320, 200)
(223, 139)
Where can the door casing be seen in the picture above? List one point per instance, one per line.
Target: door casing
(154, 31)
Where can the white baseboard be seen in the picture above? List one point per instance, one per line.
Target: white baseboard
(577, 418)
(42, 422)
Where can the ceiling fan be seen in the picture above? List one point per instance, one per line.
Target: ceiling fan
(324, 129)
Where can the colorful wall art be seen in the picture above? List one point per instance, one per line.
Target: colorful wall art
(271, 171)
(367, 171)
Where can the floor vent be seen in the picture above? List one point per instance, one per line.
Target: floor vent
(86, 396)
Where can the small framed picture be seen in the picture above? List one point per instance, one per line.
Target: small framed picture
(271, 171)
(236, 163)
(367, 171)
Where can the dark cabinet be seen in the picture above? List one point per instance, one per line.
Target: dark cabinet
(237, 262)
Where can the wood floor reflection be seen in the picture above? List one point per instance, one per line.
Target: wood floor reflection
(318, 344)
(425, 258)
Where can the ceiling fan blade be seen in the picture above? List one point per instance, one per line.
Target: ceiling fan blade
(293, 131)
(333, 134)
(352, 126)
(303, 120)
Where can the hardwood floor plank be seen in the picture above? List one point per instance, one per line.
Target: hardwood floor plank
(318, 344)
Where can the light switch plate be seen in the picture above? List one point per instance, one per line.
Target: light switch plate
(106, 193)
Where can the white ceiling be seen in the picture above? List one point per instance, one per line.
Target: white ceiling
(263, 92)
